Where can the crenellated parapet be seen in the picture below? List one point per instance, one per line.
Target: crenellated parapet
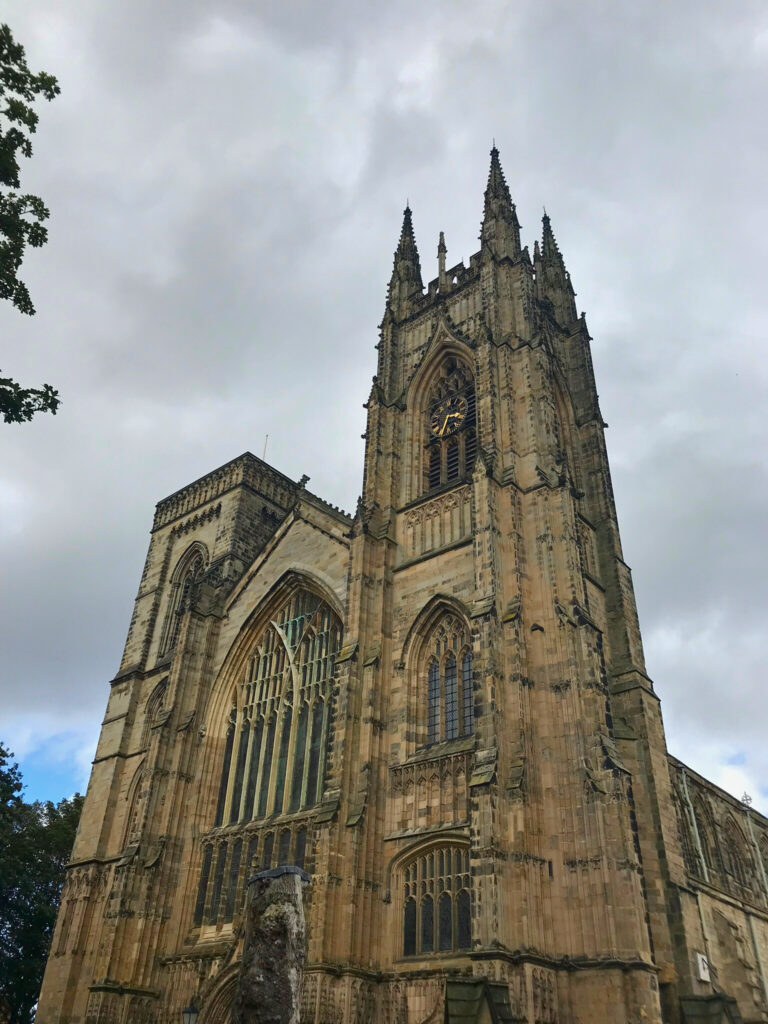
(246, 470)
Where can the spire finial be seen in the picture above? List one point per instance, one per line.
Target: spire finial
(549, 246)
(407, 244)
(501, 229)
(554, 282)
(406, 273)
(441, 251)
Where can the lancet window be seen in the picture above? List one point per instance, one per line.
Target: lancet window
(437, 902)
(451, 433)
(277, 732)
(449, 682)
(188, 571)
(152, 710)
(737, 860)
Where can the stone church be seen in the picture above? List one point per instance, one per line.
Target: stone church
(437, 706)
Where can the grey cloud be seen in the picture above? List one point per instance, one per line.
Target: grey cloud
(226, 189)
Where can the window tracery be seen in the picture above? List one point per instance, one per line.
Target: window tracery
(277, 730)
(274, 751)
(735, 855)
(437, 902)
(449, 682)
(708, 838)
(451, 432)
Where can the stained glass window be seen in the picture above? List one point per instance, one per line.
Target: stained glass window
(427, 925)
(237, 792)
(291, 667)
(446, 921)
(203, 887)
(225, 771)
(253, 770)
(409, 928)
(274, 752)
(284, 850)
(267, 771)
(433, 711)
(282, 761)
(234, 873)
(441, 877)
(450, 699)
(301, 848)
(468, 696)
(218, 882)
(266, 853)
(298, 763)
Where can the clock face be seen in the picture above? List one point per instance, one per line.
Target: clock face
(448, 416)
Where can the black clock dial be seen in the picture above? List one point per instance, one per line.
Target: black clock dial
(448, 416)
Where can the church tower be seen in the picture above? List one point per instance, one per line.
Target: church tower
(438, 707)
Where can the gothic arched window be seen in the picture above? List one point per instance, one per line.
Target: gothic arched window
(705, 828)
(191, 566)
(274, 744)
(451, 432)
(735, 854)
(437, 902)
(450, 696)
(277, 735)
(152, 710)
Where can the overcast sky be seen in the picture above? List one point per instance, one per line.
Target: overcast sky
(226, 184)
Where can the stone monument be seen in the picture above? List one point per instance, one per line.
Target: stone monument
(274, 948)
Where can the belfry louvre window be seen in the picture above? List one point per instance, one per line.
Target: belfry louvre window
(437, 903)
(189, 570)
(451, 443)
(450, 696)
(274, 752)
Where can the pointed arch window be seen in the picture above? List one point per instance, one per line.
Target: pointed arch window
(152, 710)
(737, 859)
(449, 682)
(451, 429)
(437, 901)
(274, 744)
(274, 757)
(190, 568)
(709, 848)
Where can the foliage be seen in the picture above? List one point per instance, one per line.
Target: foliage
(18, 404)
(21, 216)
(35, 844)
